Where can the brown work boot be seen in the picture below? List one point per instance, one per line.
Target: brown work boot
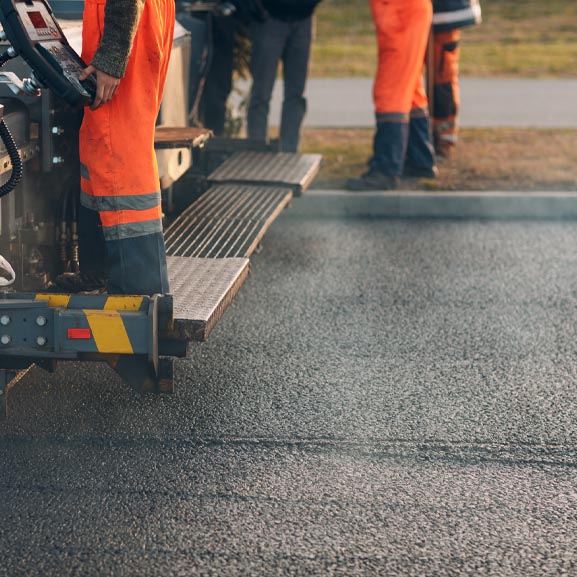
(373, 179)
(444, 149)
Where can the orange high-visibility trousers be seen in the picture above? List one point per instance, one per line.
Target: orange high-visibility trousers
(446, 89)
(401, 107)
(119, 174)
(402, 35)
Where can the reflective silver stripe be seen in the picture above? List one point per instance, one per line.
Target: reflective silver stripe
(392, 117)
(84, 172)
(132, 229)
(456, 16)
(448, 125)
(419, 113)
(132, 202)
(452, 138)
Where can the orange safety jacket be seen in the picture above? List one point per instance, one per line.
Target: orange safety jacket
(119, 173)
(402, 32)
(446, 85)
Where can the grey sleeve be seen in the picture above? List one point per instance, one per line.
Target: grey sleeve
(121, 18)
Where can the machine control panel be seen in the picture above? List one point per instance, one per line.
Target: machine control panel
(34, 33)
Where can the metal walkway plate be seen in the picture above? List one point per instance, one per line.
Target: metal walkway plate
(228, 220)
(180, 137)
(202, 290)
(269, 168)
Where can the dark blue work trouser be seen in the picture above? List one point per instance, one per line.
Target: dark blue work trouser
(397, 144)
(420, 152)
(218, 83)
(218, 77)
(135, 266)
(274, 41)
(198, 29)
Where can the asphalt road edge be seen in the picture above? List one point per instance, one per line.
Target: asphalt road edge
(419, 204)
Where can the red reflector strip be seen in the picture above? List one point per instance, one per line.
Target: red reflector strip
(79, 334)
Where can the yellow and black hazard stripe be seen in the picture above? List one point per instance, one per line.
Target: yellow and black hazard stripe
(81, 323)
(95, 302)
(102, 323)
(109, 331)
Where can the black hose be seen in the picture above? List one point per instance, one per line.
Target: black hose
(15, 159)
(9, 143)
(5, 57)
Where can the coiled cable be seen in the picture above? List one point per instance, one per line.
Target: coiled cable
(9, 143)
(15, 159)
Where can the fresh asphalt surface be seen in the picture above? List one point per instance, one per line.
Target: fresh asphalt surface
(383, 398)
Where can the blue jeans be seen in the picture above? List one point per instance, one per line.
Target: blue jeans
(274, 41)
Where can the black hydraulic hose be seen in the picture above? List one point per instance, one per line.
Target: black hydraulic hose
(15, 159)
(5, 57)
(9, 143)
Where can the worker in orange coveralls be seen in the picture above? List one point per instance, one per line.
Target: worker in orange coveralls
(127, 44)
(449, 16)
(402, 143)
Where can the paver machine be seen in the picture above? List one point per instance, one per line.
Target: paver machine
(209, 243)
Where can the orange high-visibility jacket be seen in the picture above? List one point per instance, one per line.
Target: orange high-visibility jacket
(403, 28)
(119, 174)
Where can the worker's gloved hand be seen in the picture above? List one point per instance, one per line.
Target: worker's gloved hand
(250, 10)
(106, 85)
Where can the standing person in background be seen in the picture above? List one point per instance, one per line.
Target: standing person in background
(213, 93)
(402, 143)
(219, 57)
(449, 16)
(286, 35)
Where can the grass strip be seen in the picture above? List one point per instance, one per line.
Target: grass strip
(524, 38)
(505, 159)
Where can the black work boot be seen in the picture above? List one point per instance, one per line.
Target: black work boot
(420, 171)
(373, 179)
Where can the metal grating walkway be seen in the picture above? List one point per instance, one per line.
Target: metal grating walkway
(228, 220)
(202, 290)
(208, 245)
(268, 168)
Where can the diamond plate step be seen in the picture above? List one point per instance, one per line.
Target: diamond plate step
(180, 137)
(202, 290)
(269, 168)
(228, 220)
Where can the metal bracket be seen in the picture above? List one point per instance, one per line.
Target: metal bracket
(224, 9)
(153, 332)
(120, 330)
(6, 377)
(140, 374)
(25, 87)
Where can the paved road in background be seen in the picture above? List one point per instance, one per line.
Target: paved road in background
(384, 398)
(486, 102)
